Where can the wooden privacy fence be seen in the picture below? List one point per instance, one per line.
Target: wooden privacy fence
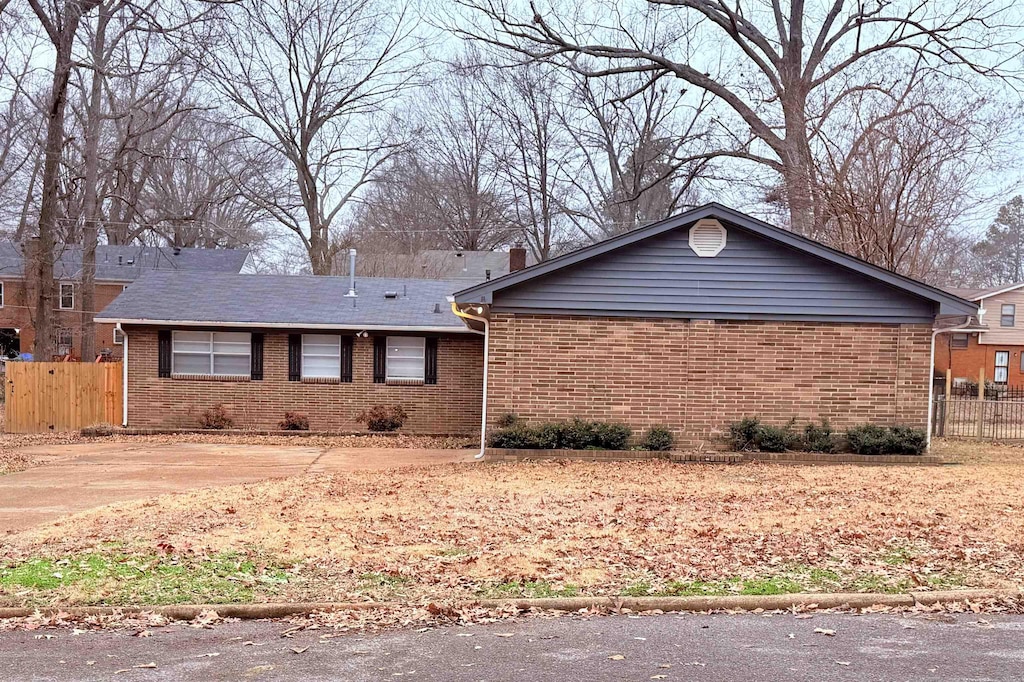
(61, 396)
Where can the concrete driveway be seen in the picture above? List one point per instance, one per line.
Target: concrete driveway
(82, 476)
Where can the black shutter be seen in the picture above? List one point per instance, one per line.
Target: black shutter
(380, 359)
(163, 353)
(294, 357)
(257, 357)
(346, 359)
(430, 361)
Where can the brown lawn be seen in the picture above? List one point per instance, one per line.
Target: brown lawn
(579, 528)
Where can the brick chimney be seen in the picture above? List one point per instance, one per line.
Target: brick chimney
(516, 257)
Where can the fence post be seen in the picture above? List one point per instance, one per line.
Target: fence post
(981, 403)
(945, 403)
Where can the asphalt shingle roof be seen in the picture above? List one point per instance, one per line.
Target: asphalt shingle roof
(125, 263)
(285, 300)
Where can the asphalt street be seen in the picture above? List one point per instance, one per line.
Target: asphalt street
(716, 648)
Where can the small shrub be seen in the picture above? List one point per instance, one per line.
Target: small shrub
(215, 417)
(904, 440)
(776, 438)
(611, 436)
(743, 434)
(517, 437)
(99, 430)
(293, 421)
(578, 435)
(819, 438)
(886, 440)
(572, 435)
(657, 439)
(383, 417)
(868, 439)
(508, 420)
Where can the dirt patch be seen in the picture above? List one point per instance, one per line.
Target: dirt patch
(566, 528)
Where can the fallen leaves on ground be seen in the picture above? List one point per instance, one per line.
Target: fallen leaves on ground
(456, 531)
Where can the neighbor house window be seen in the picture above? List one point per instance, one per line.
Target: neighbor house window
(405, 358)
(960, 340)
(65, 341)
(212, 353)
(1006, 315)
(1002, 366)
(1, 294)
(67, 296)
(118, 336)
(321, 356)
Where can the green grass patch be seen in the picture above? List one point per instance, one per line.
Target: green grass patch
(529, 589)
(120, 579)
(451, 551)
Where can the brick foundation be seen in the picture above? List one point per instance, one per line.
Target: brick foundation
(697, 376)
(451, 406)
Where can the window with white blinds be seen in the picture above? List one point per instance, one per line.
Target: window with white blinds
(212, 353)
(321, 356)
(405, 358)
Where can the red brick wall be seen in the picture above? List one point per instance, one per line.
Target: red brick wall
(695, 377)
(967, 362)
(450, 406)
(17, 314)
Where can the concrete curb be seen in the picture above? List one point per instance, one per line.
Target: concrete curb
(853, 600)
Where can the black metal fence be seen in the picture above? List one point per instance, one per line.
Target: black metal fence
(1000, 417)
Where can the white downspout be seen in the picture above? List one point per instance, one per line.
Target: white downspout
(124, 375)
(931, 379)
(487, 346)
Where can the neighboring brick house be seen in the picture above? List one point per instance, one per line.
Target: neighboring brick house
(993, 341)
(701, 319)
(116, 268)
(263, 345)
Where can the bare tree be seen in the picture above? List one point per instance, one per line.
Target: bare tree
(643, 148)
(314, 81)
(1001, 251)
(447, 189)
(538, 153)
(896, 184)
(786, 68)
(61, 24)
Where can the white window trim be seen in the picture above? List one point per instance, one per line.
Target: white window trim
(60, 296)
(121, 341)
(211, 354)
(1005, 367)
(2, 294)
(388, 378)
(1012, 315)
(305, 354)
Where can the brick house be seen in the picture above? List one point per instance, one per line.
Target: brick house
(698, 320)
(692, 323)
(263, 345)
(993, 341)
(116, 268)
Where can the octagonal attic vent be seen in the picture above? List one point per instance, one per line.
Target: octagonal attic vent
(707, 238)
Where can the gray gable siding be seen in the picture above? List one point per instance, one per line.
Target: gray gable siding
(752, 278)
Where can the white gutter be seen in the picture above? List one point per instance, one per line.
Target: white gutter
(288, 325)
(966, 326)
(124, 376)
(483, 407)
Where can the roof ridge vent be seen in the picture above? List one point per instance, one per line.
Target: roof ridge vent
(707, 238)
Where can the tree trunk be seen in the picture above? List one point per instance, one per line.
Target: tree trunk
(91, 204)
(43, 266)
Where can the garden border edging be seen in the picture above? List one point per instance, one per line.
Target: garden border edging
(853, 600)
(706, 457)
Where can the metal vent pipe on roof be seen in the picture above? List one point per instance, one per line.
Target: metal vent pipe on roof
(351, 274)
